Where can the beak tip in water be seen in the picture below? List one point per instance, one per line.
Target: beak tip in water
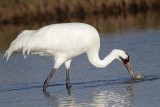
(139, 76)
(134, 77)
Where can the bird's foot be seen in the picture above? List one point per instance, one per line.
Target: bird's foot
(45, 85)
(68, 86)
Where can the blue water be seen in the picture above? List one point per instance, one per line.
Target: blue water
(21, 79)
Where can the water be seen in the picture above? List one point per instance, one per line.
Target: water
(21, 79)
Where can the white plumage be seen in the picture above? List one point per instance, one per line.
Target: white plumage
(62, 42)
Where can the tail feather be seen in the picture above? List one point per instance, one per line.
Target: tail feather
(20, 43)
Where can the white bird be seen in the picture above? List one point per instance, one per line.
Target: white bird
(63, 42)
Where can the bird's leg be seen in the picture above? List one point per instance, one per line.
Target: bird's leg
(46, 82)
(68, 84)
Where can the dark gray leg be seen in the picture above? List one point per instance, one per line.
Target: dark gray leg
(68, 84)
(46, 82)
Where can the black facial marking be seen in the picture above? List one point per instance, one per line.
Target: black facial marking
(128, 57)
(125, 60)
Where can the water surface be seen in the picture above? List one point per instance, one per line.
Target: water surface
(21, 79)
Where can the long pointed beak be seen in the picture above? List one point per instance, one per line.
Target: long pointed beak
(127, 65)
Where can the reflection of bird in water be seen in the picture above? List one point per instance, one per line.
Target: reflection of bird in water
(110, 99)
(57, 101)
(98, 99)
(62, 42)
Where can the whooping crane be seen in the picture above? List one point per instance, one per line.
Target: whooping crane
(63, 42)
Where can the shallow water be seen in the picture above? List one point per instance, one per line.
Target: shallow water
(21, 79)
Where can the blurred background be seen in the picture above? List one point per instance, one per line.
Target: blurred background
(108, 16)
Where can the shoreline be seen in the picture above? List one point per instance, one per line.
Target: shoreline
(24, 11)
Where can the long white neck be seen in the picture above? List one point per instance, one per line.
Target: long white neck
(97, 62)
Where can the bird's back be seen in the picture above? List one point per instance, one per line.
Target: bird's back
(70, 39)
